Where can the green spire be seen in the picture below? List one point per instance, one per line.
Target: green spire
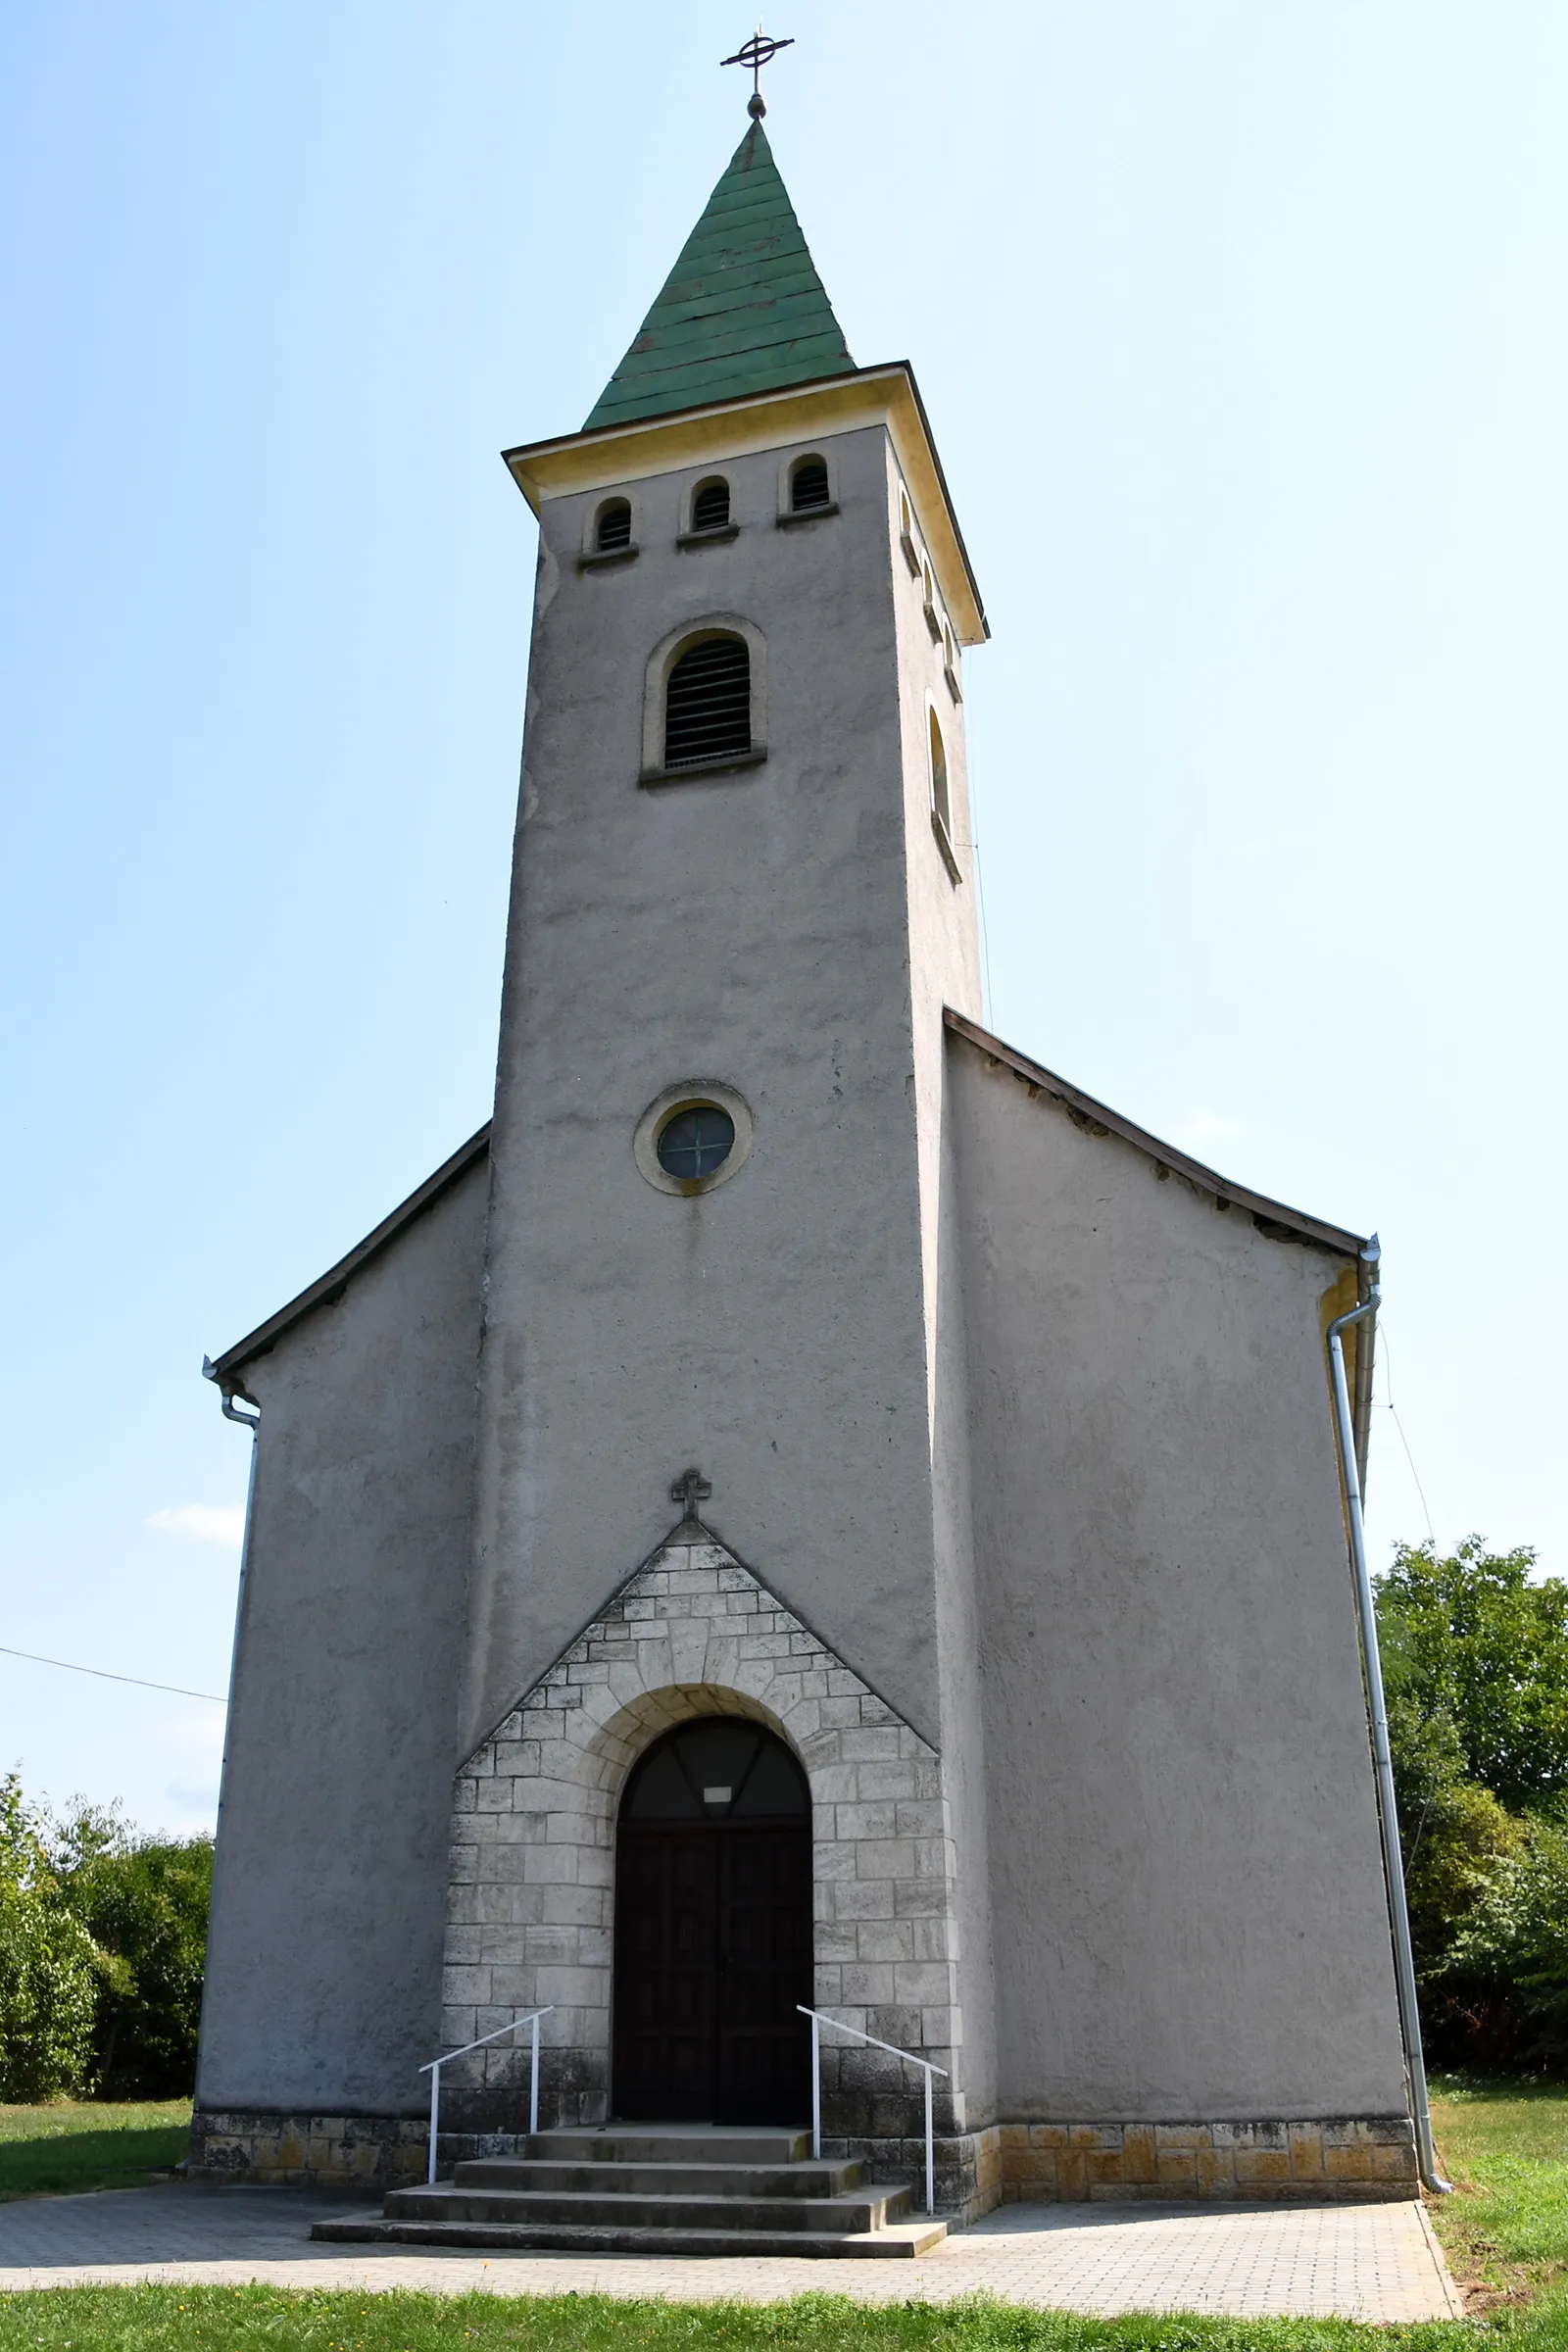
(743, 310)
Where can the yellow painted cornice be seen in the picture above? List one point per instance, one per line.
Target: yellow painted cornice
(729, 428)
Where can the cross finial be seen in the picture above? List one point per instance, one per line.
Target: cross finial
(690, 1489)
(758, 52)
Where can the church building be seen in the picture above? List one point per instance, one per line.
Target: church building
(806, 1510)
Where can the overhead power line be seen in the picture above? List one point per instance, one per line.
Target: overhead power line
(66, 1667)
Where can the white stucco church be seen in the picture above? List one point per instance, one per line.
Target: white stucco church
(807, 1509)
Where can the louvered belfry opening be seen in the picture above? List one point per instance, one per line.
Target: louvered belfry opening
(614, 526)
(711, 507)
(708, 704)
(809, 486)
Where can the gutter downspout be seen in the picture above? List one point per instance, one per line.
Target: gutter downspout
(252, 1422)
(227, 1396)
(1382, 1759)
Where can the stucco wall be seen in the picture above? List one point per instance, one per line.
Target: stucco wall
(1187, 1894)
(330, 1893)
(751, 929)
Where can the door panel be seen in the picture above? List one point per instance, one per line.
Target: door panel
(765, 1923)
(665, 1973)
(713, 1953)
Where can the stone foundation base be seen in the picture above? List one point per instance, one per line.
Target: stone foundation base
(329, 2151)
(1343, 2157)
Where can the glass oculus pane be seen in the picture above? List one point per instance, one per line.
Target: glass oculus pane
(696, 1142)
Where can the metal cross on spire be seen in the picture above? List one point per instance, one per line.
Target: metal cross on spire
(758, 52)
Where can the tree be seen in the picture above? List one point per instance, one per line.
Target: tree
(1470, 1641)
(49, 1965)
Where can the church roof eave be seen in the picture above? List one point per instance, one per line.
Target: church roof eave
(328, 1288)
(603, 456)
(1274, 1218)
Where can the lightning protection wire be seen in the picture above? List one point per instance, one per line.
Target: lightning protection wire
(66, 1667)
(1387, 1391)
(1385, 1366)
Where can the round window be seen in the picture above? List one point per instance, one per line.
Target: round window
(696, 1142)
(693, 1136)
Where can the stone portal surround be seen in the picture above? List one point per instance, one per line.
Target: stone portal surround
(694, 1633)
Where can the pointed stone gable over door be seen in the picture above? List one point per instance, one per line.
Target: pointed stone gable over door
(531, 1919)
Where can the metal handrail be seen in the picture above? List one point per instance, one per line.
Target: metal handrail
(819, 2018)
(434, 2068)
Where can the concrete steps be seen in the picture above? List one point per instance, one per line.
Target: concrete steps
(685, 2189)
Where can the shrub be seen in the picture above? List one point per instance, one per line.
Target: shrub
(49, 1965)
(144, 1901)
(1520, 1937)
(1476, 1670)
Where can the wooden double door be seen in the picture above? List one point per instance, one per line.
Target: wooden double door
(713, 1949)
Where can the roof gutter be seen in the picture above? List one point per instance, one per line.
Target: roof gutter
(1272, 1217)
(330, 1287)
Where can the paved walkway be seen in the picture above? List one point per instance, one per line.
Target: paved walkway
(1361, 2262)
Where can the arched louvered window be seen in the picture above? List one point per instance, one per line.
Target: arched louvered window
(614, 526)
(711, 507)
(940, 808)
(808, 486)
(708, 703)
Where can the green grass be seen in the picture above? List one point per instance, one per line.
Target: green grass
(1505, 2146)
(259, 2319)
(84, 2144)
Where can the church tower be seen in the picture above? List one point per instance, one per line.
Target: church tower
(808, 1512)
(742, 895)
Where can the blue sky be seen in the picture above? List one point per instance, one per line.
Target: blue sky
(1243, 330)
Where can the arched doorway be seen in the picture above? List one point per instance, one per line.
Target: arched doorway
(713, 1930)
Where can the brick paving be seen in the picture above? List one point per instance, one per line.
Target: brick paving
(1362, 2261)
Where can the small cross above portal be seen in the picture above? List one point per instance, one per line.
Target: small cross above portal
(758, 52)
(690, 1489)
